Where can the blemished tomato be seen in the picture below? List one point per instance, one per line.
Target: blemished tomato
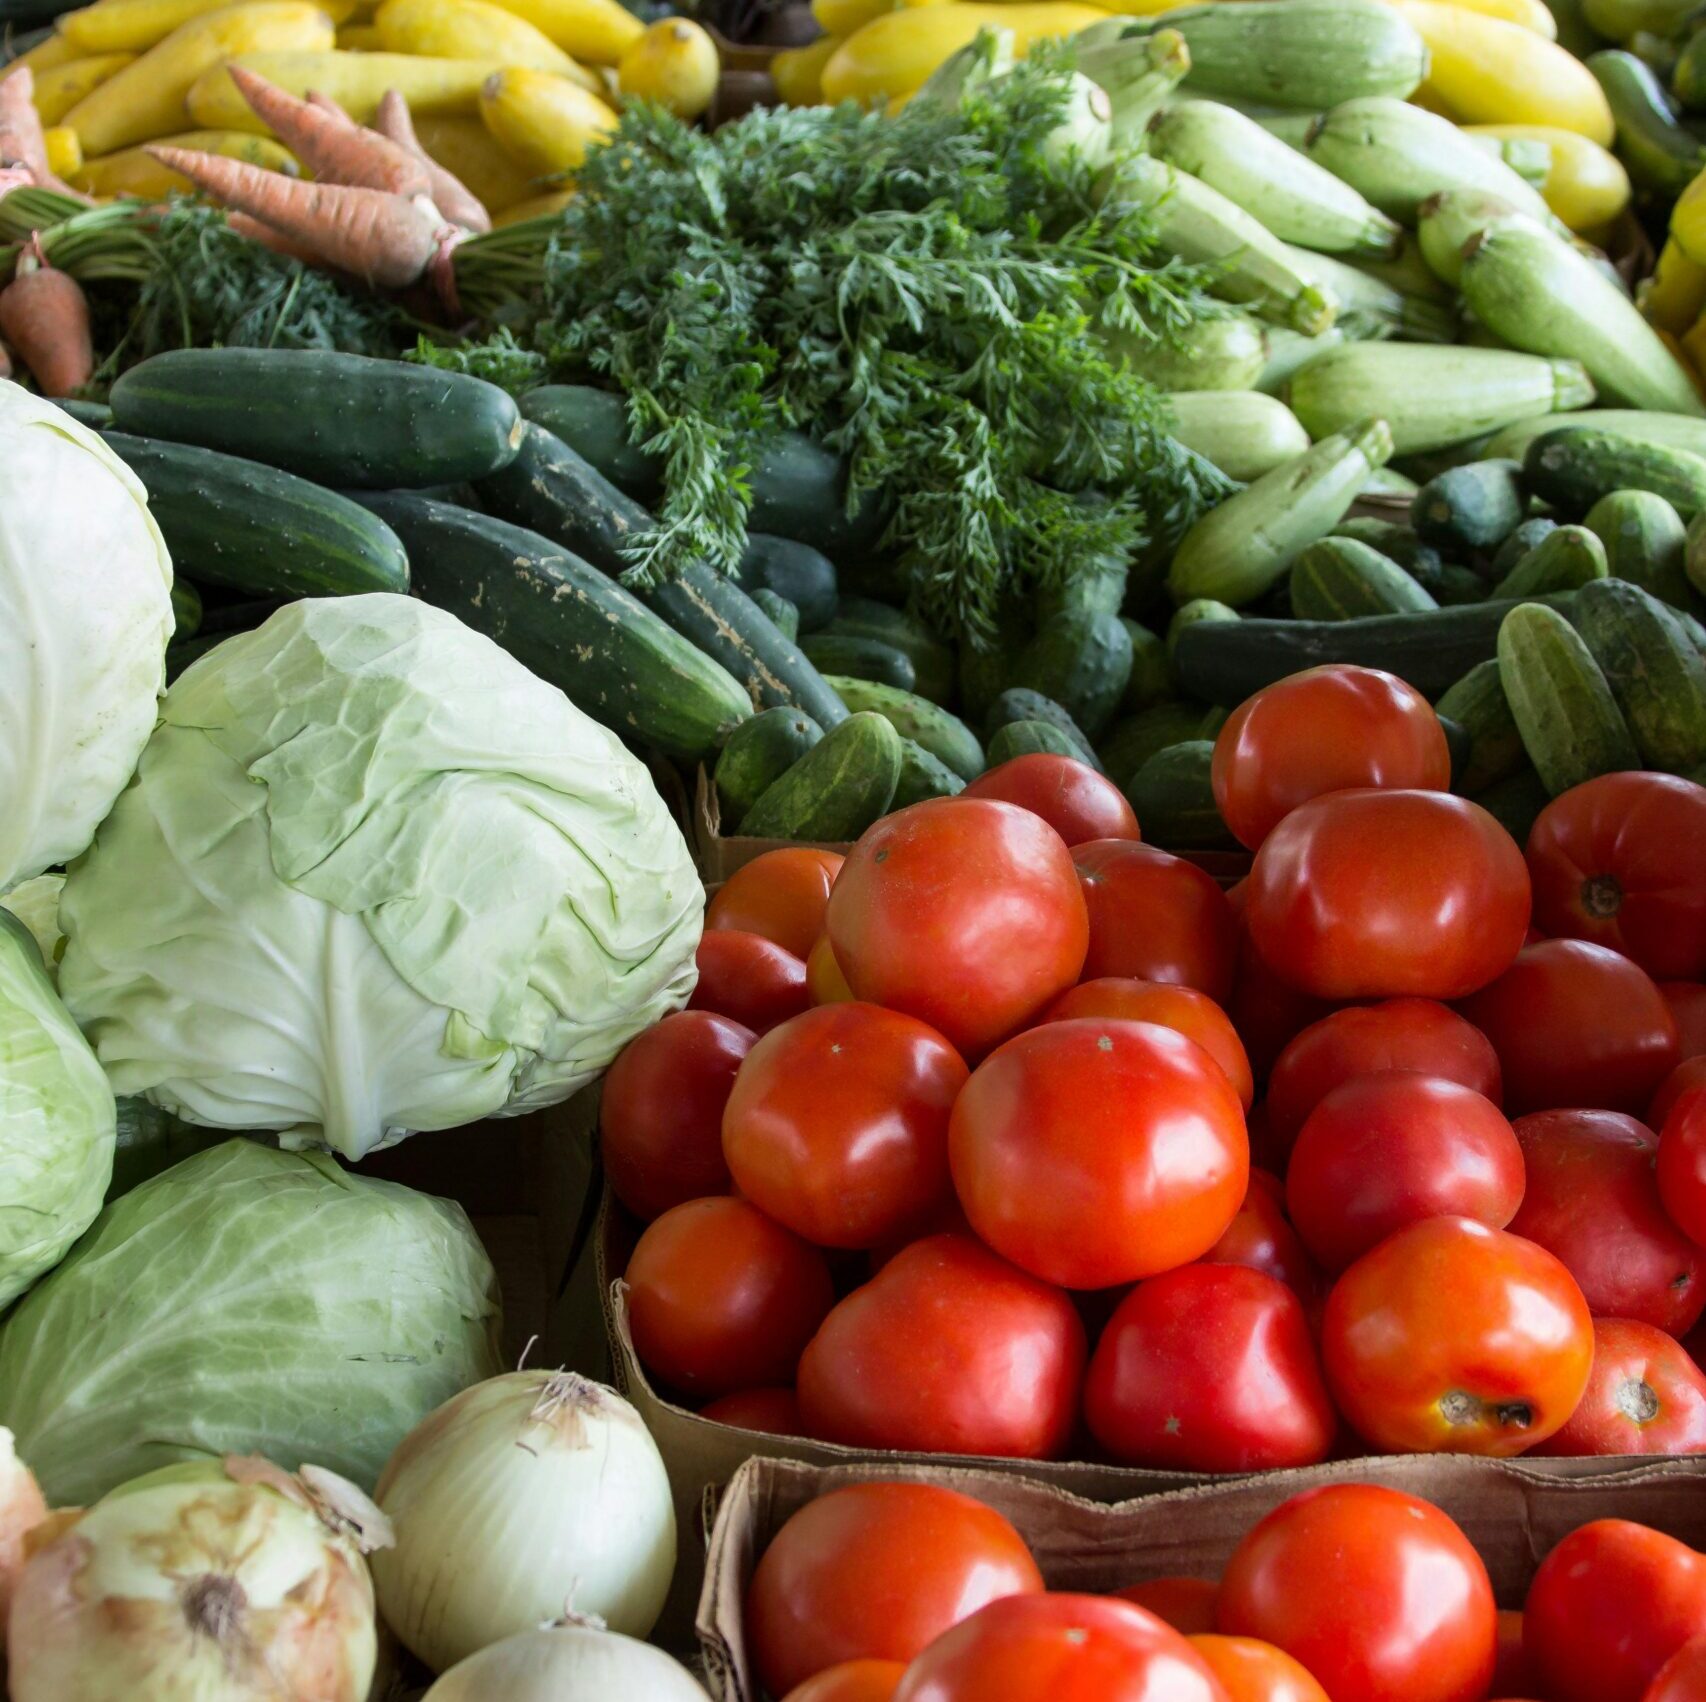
(1076, 801)
(824, 980)
(1513, 1675)
(1323, 730)
(1098, 1152)
(1252, 1671)
(1371, 895)
(838, 1123)
(1681, 1170)
(720, 1298)
(1451, 1336)
(1380, 1596)
(1261, 1237)
(1687, 1001)
(1397, 1034)
(1195, 1015)
(1608, 1607)
(1155, 917)
(1618, 861)
(877, 1571)
(1683, 1677)
(947, 1350)
(1576, 1024)
(1593, 1201)
(1688, 1075)
(1187, 1604)
(660, 1111)
(852, 1681)
(962, 912)
(749, 979)
(1384, 1151)
(780, 895)
(1060, 1648)
(1645, 1396)
(776, 1412)
(1210, 1368)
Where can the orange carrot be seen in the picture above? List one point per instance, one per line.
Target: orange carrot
(257, 230)
(44, 315)
(451, 195)
(21, 142)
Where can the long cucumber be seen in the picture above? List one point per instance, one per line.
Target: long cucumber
(1659, 153)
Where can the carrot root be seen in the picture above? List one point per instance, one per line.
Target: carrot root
(44, 316)
(258, 230)
(22, 146)
(450, 194)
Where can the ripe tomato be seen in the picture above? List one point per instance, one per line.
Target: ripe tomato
(877, 1571)
(1682, 1165)
(1687, 1002)
(838, 1123)
(1683, 1677)
(1593, 1202)
(1608, 1607)
(947, 1350)
(1379, 1595)
(1076, 801)
(1156, 917)
(1688, 1075)
(1371, 894)
(1268, 1012)
(1398, 1034)
(824, 980)
(1451, 1336)
(1262, 1238)
(1210, 1368)
(780, 895)
(1513, 1675)
(1618, 861)
(963, 912)
(1187, 1604)
(1645, 1396)
(1324, 730)
(1060, 1648)
(776, 1412)
(721, 1299)
(748, 979)
(1380, 1152)
(660, 1113)
(852, 1681)
(1576, 1024)
(1253, 1671)
(1095, 1153)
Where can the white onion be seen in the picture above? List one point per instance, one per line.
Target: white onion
(567, 1663)
(521, 1498)
(22, 1508)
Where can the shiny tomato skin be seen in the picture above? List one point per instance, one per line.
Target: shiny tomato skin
(1687, 1002)
(1683, 1677)
(780, 895)
(1384, 1151)
(1681, 1169)
(1099, 1152)
(1608, 1607)
(838, 1123)
(1252, 1671)
(1379, 1595)
(1262, 1238)
(852, 1681)
(1593, 1201)
(947, 1350)
(1326, 729)
(877, 1571)
(1618, 861)
(1373, 895)
(1076, 801)
(1210, 1368)
(720, 1298)
(1576, 1024)
(1186, 1604)
(774, 1411)
(749, 979)
(962, 912)
(1155, 917)
(1685, 1078)
(1451, 1336)
(1645, 1396)
(824, 980)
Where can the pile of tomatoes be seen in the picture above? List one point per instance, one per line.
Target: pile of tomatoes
(1012, 1135)
(910, 1592)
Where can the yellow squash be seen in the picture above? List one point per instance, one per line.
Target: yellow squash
(596, 32)
(843, 17)
(356, 81)
(60, 89)
(797, 72)
(1688, 221)
(472, 29)
(1530, 14)
(1675, 295)
(674, 63)
(134, 26)
(1585, 185)
(545, 123)
(468, 150)
(359, 38)
(534, 207)
(131, 171)
(50, 51)
(64, 151)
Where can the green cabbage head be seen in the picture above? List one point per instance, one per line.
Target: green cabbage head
(373, 876)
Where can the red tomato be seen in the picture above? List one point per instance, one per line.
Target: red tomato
(1576, 1024)
(1076, 801)
(1513, 1675)
(1267, 1010)
(1645, 1396)
(1262, 1238)
(1618, 861)
(1195, 1015)
(1451, 1336)
(1095, 1153)
(838, 1123)
(1060, 1648)
(776, 1412)
(1681, 1171)
(963, 912)
(1379, 1595)
(780, 895)
(852, 1681)
(720, 1298)
(1187, 1604)
(1608, 1607)
(1210, 1368)
(1324, 730)
(1381, 1152)
(1253, 1671)
(824, 980)
(749, 979)
(1593, 1202)
(1156, 917)
(1370, 894)
(877, 1571)
(660, 1112)
(1688, 1075)
(1683, 1677)
(947, 1350)
(1687, 1001)
(1399, 1034)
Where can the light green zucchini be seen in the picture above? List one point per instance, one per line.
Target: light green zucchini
(1243, 433)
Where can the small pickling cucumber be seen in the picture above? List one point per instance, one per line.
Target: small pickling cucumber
(758, 753)
(837, 789)
(943, 734)
(1477, 703)
(1019, 703)
(1656, 675)
(859, 657)
(1645, 542)
(1566, 558)
(1470, 508)
(1572, 468)
(1338, 579)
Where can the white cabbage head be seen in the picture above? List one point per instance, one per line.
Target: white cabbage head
(373, 876)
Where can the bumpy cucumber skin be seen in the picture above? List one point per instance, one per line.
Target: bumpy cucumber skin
(1567, 558)
(837, 789)
(1081, 659)
(944, 735)
(1574, 467)
(1656, 675)
(1341, 579)
(758, 753)
(922, 776)
(1173, 796)
(1475, 507)
(1030, 738)
(1020, 703)
(1645, 543)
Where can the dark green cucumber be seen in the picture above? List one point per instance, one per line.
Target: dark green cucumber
(1448, 584)
(232, 522)
(1572, 468)
(97, 416)
(1478, 705)
(1659, 153)
(1656, 675)
(346, 420)
(922, 776)
(1130, 743)
(594, 423)
(985, 670)
(932, 660)
(806, 577)
(758, 753)
(944, 735)
(1204, 609)
(837, 789)
(1338, 579)
(1151, 679)
(186, 610)
(1515, 801)
(1529, 535)
(1395, 542)
(1097, 585)
(1020, 703)
(1567, 558)
(1470, 508)
(1645, 542)
(780, 610)
(1457, 746)
(570, 624)
(1082, 660)
(1173, 796)
(860, 658)
(1030, 738)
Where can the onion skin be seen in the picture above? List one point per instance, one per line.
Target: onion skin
(568, 1663)
(22, 1508)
